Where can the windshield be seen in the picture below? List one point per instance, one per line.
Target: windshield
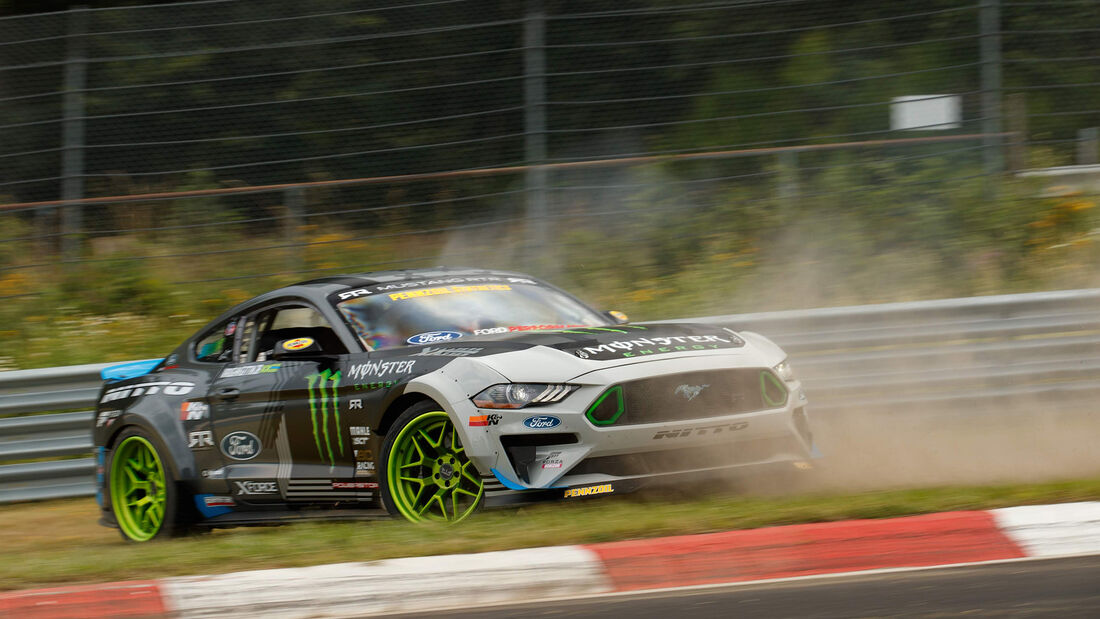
(388, 319)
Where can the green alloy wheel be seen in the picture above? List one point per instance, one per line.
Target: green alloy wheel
(141, 489)
(428, 476)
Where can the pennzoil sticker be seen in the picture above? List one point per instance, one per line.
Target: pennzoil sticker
(589, 491)
(298, 343)
(429, 292)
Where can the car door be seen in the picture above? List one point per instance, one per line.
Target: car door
(277, 424)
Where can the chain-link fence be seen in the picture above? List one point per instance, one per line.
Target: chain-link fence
(626, 146)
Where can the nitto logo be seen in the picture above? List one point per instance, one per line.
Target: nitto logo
(133, 391)
(241, 445)
(715, 429)
(323, 399)
(540, 422)
(690, 391)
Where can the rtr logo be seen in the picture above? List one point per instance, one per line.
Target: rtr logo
(200, 440)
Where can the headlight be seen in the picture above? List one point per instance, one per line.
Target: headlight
(518, 395)
(784, 370)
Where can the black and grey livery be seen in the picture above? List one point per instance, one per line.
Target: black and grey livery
(280, 407)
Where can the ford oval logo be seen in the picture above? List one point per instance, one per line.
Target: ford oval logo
(538, 422)
(241, 445)
(432, 337)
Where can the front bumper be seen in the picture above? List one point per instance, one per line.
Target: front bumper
(575, 452)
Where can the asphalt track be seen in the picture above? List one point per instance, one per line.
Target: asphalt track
(1064, 587)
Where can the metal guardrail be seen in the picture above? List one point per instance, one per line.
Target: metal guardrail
(919, 356)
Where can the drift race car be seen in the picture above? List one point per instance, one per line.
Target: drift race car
(426, 394)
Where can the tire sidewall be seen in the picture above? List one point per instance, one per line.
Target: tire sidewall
(407, 417)
(171, 525)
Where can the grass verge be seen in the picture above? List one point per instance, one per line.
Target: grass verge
(45, 544)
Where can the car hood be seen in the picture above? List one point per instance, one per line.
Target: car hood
(557, 355)
(626, 341)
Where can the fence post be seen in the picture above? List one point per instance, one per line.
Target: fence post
(72, 133)
(534, 131)
(788, 176)
(295, 200)
(990, 26)
(1088, 143)
(1016, 118)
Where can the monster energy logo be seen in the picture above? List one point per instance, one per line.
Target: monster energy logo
(323, 396)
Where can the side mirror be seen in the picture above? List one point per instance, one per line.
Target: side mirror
(297, 348)
(617, 317)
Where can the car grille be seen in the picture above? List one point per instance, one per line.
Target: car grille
(687, 459)
(687, 396)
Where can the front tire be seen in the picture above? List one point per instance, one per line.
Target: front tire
(428, 475)
(143, 492)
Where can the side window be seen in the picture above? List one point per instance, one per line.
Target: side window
(216, 346)
(290, 321)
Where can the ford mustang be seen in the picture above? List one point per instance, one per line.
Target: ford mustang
(427, 394)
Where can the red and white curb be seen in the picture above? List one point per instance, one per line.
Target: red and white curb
(456, 581)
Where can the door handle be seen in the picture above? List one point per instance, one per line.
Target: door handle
(228, 393)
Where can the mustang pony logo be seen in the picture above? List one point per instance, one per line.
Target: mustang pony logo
(690, 391)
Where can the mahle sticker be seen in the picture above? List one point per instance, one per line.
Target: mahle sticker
(298, 343)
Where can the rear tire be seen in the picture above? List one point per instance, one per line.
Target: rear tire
(427, 473)
(143, 493)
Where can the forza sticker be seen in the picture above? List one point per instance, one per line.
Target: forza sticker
(134, 391)
(298, 343)
(484, 420)
(354, 485)
(241, 445)
(432, 337)
(588, 491)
